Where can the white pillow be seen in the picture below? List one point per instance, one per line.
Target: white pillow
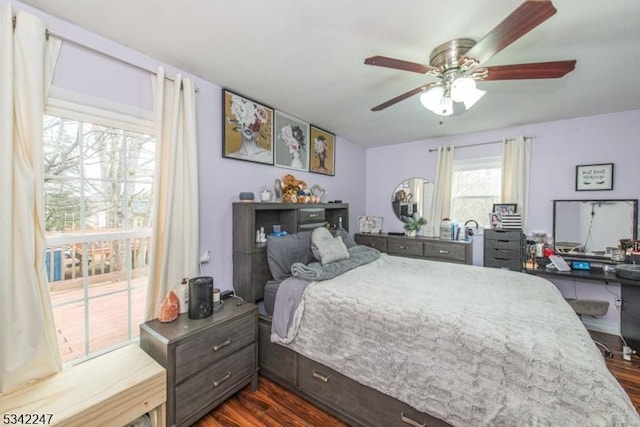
(327, 248)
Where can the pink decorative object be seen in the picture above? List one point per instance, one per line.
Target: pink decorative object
(170, 308)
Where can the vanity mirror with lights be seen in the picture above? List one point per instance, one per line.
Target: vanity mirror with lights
(593, 228)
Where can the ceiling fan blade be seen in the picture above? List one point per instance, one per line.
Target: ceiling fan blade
(398, 64)
(402, 97)
(525, 18)
(534, 70)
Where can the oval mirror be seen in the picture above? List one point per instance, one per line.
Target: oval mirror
(413, 195)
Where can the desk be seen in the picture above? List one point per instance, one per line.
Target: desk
(629, 292)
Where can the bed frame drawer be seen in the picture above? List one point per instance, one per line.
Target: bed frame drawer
(276, 361)
(364, 405)
(405, 247)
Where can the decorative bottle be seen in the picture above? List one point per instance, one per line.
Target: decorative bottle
(184, 296)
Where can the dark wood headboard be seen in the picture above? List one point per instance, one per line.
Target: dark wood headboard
(250, 268)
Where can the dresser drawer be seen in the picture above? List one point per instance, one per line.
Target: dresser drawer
(501, 254)
(405, 247)
(507, 264)
(377, 242)
(214, 344)
(503, 235)
(310, 215)
(445, 251)
(198, 393)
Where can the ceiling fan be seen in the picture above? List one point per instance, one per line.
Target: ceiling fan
(457, 64)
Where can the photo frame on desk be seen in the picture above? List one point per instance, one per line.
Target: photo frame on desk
(505, 208)
(370, 224)
(595, 177)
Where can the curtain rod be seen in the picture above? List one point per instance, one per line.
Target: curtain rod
(106, 55)
(483, 143)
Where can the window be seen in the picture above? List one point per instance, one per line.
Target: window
(99, 178)
(476, 186)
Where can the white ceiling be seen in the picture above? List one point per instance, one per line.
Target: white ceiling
(305, 57)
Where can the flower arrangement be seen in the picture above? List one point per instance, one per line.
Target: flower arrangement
(248, 115)
(414, 223)
(293, 136)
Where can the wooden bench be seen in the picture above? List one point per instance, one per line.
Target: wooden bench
(109, 390)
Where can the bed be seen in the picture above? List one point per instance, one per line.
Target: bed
(401, 341)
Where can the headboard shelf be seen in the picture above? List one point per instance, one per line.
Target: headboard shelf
(250, 269)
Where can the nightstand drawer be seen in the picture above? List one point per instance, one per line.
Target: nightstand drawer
(198, 393)
(376, 242)
(214, 344)
(405, 247)
(445, 251)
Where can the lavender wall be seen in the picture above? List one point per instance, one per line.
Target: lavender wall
(220, 179)
(557, 148)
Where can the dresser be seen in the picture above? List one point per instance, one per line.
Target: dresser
(504, 248)
(207, 360)
(419, 247)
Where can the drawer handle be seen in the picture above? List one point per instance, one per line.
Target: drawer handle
(223, 345)
(409, 421)
(223, 379)
(404, 247)
(442, 251)
(320, 377)
(373, 245)
(313, 215)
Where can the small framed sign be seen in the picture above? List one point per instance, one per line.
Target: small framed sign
(594, 177)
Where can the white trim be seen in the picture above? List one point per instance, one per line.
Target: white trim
(70, 238)
(86, 108)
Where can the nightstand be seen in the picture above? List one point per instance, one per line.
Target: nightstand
(207, 360)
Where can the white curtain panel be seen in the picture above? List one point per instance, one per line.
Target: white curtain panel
(28, 341)
(174, 245)
(516, 160)
(441, 207)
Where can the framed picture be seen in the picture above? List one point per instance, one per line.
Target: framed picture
(323, 152)
(505, 208)
(594, 177)
(370, 224)
(291, 138)
(495, 220)
(247, 131)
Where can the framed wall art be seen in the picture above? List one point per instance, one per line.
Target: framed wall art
(505, 208)
(323, 152)
(247, 130)
(370, 224)
(291, 137)
(594, 177)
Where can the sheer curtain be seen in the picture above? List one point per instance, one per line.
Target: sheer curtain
(174, 245)
(28, 341)
(441, 207)
(516, 155)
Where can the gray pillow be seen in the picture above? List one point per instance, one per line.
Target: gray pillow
(327, 248)
(346, 237)
(284, 251)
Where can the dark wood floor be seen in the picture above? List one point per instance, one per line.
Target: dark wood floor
(273, 405)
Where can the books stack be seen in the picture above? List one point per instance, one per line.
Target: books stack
(511, 221)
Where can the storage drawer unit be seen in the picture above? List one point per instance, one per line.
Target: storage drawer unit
(207, 360)
(419, 247)
(504, 249)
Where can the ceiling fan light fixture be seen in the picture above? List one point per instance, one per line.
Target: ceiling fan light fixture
(462, 88)
(432, 98)
(473, 97)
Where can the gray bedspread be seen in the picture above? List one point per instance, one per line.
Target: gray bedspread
(358, 255)
(472, 346)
